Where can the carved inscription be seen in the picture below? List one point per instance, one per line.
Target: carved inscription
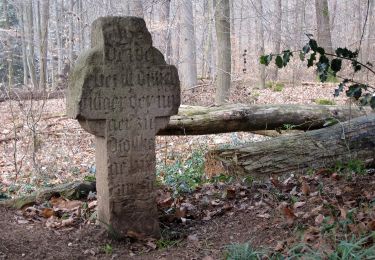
(124, 91)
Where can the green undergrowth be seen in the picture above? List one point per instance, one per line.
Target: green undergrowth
(326, 102)
(349, 249)
(275, 86)
(183, 174)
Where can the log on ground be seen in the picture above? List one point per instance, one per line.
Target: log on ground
(323, 148)
(197, 120)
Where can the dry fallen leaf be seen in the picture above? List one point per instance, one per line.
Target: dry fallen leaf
(231, 193)
(371, 225)
(47, 213)
(343, 213)
(288, 214)
(135, 235)
(180, 212)
(151, 244)
(305, 188)
(323, 172)
(67, 222)
(299, 204)
(280, 246)
(276, 183)
(266, 215)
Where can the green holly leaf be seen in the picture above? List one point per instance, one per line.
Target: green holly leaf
(286, 57)
(306, 48)
(265, 59)
(372, 102)
(336, 65)
(339, 89)
(313, 45)
(354, 91)
(310, 61)
(320, 50)
(279, 61)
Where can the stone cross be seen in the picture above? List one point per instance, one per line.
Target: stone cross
(122, 91)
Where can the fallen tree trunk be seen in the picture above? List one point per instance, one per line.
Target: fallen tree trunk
(316, 149)
(72, 191)
(196, 120)
(28, 95)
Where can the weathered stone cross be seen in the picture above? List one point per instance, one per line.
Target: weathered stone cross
(123, 92)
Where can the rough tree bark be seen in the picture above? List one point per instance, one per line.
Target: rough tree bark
(188, 59)
(71, 33)
(316, 149)
(24, 45)
(277, 32)
(222, 24)
(43, 44)
(165, 7)
(260, 45)
(136, 8)
(30, 42)
(323, 25)
(195, 120)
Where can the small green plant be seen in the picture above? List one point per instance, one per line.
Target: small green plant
(278, 87)
(108, 249)
(326, 102)
(275, 86)
(288, 127)
(242, 252)
(355, 248)
(90, 177)
(166, 243)
(221, 178)
(183, 175)
(350, 168)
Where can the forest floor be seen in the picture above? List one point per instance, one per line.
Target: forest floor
(312, 213)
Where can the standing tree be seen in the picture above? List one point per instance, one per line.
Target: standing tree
(260, 36)
(222, 23)
(323, 25)
(43, 44)
(188, 59)
(29, 22)
(277, 33)
(166, 34)
(136, 8)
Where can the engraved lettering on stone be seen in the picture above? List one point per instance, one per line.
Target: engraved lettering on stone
(122, 91)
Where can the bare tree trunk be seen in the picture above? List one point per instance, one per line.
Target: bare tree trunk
(166, 31)
(136, 8)
(188, 60)
(233, 38)
(323, 25)
(59, 21)
(370, 35)
(71, 34)
(30, 42)
(24, 45)
(359, 28)
(175, 37)
(278, 19)
(260, 34)
(222, 24)
(333, 14)
(44, 44)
